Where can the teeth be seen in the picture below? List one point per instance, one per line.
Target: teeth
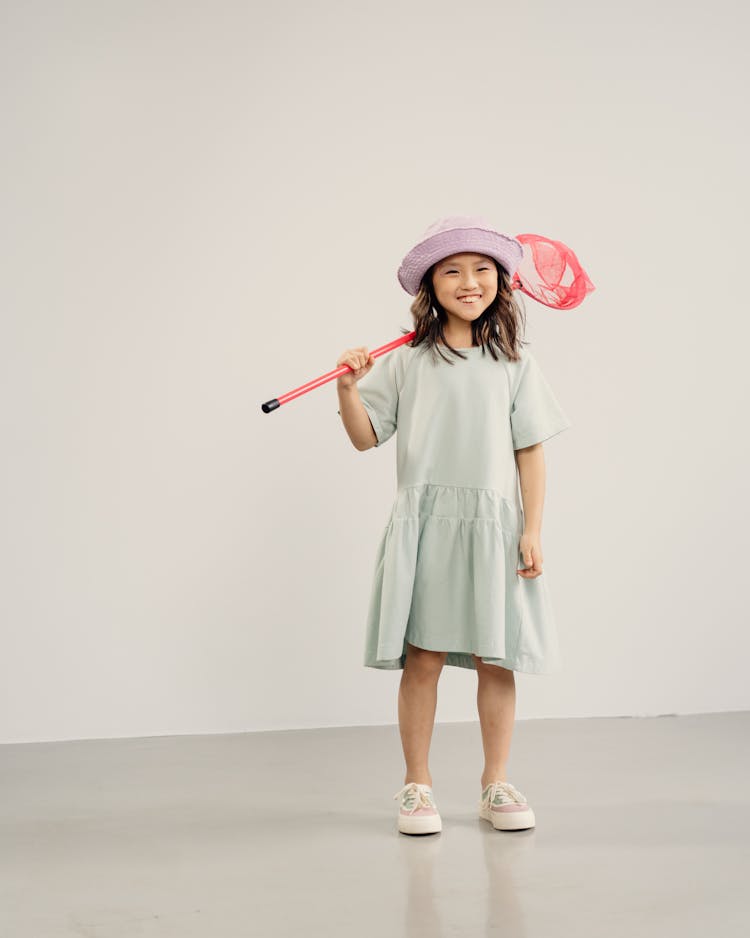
(472, 299)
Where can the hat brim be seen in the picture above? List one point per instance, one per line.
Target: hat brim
(506, 250)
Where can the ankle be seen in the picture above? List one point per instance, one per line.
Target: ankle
(488, 779)
(421, 778)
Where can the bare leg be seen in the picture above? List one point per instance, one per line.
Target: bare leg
(417, 702)
(496, 703)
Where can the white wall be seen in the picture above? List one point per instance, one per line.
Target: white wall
(204, 204)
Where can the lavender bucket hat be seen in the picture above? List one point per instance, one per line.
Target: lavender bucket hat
(452, 235)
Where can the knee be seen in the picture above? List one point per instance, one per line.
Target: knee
(423, 662)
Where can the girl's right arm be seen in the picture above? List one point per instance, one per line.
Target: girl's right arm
(351, 408)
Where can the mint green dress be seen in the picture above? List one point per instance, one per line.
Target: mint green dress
(445, 567)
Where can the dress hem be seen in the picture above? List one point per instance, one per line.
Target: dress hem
(460, 659)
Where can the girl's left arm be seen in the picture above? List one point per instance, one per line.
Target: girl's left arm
(532, 477)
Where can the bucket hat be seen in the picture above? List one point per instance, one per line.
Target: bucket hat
(452, 235)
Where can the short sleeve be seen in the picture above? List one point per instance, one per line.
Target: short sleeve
(535, 413)
(378, 391)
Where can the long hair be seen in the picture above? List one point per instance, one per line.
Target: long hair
(499, 328)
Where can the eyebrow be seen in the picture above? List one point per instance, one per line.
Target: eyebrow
(482, 260)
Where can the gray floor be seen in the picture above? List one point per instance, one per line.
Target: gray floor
(642, 829)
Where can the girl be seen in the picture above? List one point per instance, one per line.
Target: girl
(472, 409)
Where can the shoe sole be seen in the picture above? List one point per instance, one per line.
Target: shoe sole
(426, 824)
(509, 820)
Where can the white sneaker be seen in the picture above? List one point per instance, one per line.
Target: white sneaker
(505, 807)
(418, 813)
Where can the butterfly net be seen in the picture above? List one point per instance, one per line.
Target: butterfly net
(550, 273)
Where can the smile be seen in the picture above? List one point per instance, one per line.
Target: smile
(469, 299)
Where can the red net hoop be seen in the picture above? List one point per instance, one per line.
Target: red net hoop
(550, 273)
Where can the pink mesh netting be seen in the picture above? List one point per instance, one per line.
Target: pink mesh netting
(550, 273)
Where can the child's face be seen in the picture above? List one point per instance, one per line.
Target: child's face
(462, 275)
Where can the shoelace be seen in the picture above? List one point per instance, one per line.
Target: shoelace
(419, 794)
(507, 794)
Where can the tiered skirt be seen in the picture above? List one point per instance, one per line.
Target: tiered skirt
(445, 580)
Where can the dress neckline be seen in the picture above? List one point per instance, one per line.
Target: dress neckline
(469, 348)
